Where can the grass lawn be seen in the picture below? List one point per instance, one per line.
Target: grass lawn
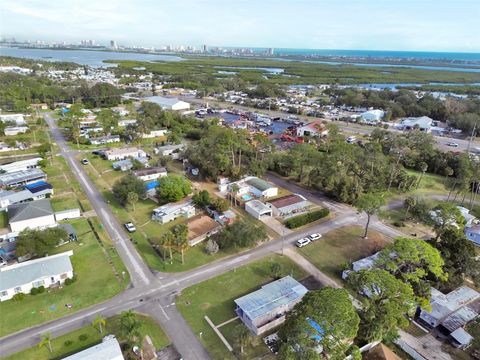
(3, 219)
(340, 247)
(96, 282)
(215, 297)
(396, 217)
(70, 343)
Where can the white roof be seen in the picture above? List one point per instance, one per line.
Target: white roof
(257, 205)
(166, 102)
(461, 336)
(365, 263)
(171, 208)
(423, 122)
(108, 349)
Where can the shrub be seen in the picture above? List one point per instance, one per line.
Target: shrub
(34, 291)
(398, 224)
(41, 289)
(307, 218)
(83, 337)
(67, 343)
(69, 281)
(18, 297)
(211, 247)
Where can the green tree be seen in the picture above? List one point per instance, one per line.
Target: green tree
(130, 327)
(167, 241)
(414, 261)
(126, 185)
(180, 233)
(275, 270)
(240, 234)
(242, 336)
(201, 199)
(423, 166)
(100, 323)
(370, 204)
(132, 199)
(446, 214)
(173, 188)
(323, 318)
(386, 301)
(46, 341)
(39, 242)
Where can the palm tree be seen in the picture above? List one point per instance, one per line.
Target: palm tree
(242, 336)
(46, 341)
(130, 326)
(234, 190)
(423, 169)
(167, 241)
(99, 322)
(180, 233)
(132, 198)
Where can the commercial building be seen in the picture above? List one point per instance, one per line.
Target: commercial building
(20, 165)
(257, 209)
(423, 123)
(31, 215)
(267, 307)
(170, 212)
(108, 349)
(150, 173)
(168, 103)
(372, 116)
(315, 128)
(47, 271)
(289, 204)
(22, 177)
(122, 154)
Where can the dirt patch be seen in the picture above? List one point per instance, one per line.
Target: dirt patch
(205, 306)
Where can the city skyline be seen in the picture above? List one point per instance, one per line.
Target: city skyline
(353, 24)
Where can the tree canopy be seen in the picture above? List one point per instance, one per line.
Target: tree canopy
(173, 188)
(127, 185)
(39, 242)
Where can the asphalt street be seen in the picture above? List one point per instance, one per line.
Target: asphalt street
(155, 294)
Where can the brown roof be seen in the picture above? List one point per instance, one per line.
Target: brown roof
(380, 352)
(199, 225)
(286, 201)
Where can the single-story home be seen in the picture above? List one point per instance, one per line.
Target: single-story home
(127, 122)
(372, 116)
(120, 110)
(15, 130)
(18, 119)
(170, 150)
(257, 209)
(249, 188)
(22, 177)
(170, 212)
(108, 349)
(200, 227)
(366, 263)
(149, 174)
(266, 308)
(473, 234)
(127, 164)
(155, 133)
(452, 311)
(47, 271)
(167, 103)
(41, 106)
(20, 165)
(423, 123)
(315, 128)
(288, 204)
(31, 215)
(122, 154)
(105, 140)
(31, 192)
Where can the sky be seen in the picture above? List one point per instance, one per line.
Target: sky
(416, 25)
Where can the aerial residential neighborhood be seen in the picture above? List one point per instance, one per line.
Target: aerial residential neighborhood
(200, 200)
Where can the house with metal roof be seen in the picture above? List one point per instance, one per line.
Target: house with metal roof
(267, 307)
(289, 204)
(108, 139)
(422, 123)
(250, 187)
(47, 271)
(452, 311)
(149, 174)
(170, 150)
(22, 177)
(25, 164)
(108, 349)
(167, 103)
(31, 215)
(170, 212)
(124, 153)
(257, 209)
(31, 192)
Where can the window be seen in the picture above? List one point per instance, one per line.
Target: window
(38, 283)
(52, 279)
(4, 293)
(17, 289)
(63, 276)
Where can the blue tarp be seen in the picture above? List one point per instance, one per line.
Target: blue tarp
(151, 185)
(316, 335)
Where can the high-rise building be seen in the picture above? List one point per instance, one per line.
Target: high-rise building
(204, 48)
(271, 51)
(113, 44)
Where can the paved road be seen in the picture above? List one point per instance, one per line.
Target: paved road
(156, 294)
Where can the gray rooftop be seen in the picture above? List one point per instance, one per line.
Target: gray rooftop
(461, 336)
(21, 176)
(271, 296)
(162, 101)
(30, 210)
(259, 184)
(108, 349)
(32, 270)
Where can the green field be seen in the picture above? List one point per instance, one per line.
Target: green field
(70, 343)
(96, 282)
(214, 298)
(338, 248)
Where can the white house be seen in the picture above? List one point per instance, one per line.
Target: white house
(31, 215)
(315, 128)
(372, 116)
(250, 187)
(22, 177)
(366, 263)
(18, 119)
(155, 133)
(108, 349)
(257, 209)
(21, 165)
(150, 173)
(288, 204)
(473, 234)
(105, 140)
(15, 130)
(122, 154)
(127, 122)
(169, 150)
(167, 103)
(32, 192)
(170, 212)
(47, 271)
(120, 110)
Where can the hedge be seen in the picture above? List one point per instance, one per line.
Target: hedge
(303, 219)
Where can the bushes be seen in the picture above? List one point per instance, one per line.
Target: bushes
(67, 343)
(83, 337)
(69, 281)
(37, 290)
(18, 297)
(301, 220)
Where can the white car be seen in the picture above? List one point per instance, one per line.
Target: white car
(452, 144)
(314, 236)
(303, 242)
(130, 227)
(85, 162)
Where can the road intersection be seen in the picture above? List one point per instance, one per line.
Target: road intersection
(155, 294)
